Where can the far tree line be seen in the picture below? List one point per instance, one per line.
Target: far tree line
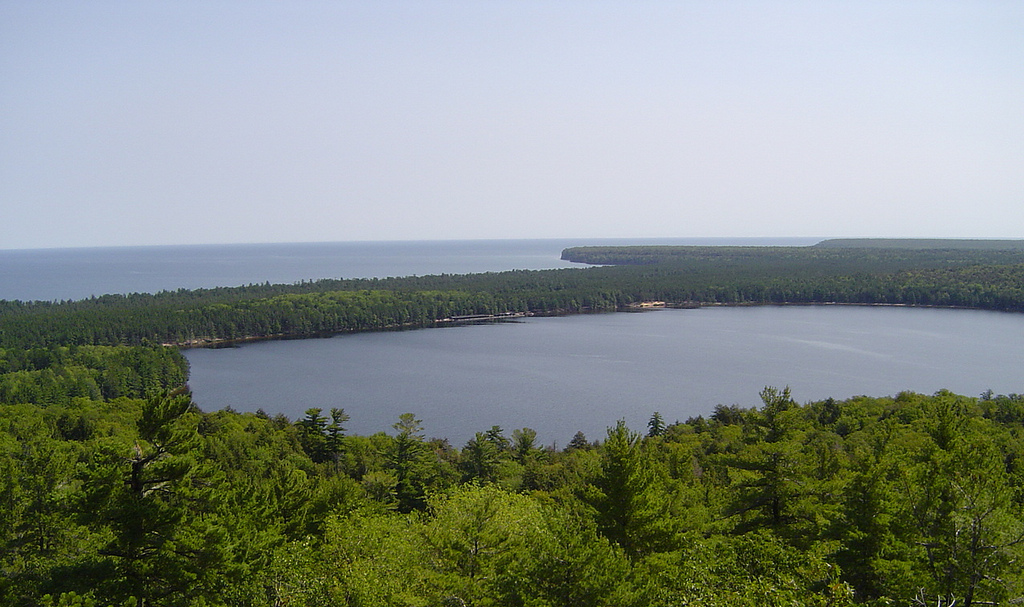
(982, 279)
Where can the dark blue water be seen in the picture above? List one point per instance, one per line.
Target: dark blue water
(58, 274)
(560, 375)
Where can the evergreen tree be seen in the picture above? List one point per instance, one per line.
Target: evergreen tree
(336, 432)
(407, 464)
(628, 495)
(656, 425)
(152, 500)
(313, 434)
(524, 443)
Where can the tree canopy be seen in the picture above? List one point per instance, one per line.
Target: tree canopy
(115, 489)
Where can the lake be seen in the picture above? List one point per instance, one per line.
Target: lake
(561, 375)
(556, 375)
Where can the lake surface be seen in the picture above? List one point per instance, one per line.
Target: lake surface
(560, 375)
(58, 274)
(556, 375)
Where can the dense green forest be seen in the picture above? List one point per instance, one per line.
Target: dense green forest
(922, 243)
(986, 279)
(828, 256)
(115, 489)
(911, 500)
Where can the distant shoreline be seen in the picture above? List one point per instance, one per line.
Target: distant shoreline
(212, 343)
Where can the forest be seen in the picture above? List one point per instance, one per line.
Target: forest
(972, 278)
(115, 489)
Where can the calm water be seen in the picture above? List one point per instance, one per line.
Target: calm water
(560, 375)
(56, 274)
(556, 375)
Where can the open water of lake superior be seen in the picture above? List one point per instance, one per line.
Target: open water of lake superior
(555, 375)
(58, 274)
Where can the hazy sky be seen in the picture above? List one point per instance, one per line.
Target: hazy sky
(145, 122)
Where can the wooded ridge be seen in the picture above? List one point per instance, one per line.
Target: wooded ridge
(983, 279)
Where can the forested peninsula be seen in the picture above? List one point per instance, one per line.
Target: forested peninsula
(115, 489)
(989, 278)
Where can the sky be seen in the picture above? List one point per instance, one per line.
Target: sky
(216, 121)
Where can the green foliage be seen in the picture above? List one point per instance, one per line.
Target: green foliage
(972, 277)
(58, 375)
(153, 498)
(632, 507)
(918, 498)
(116, 490)
(921, 243)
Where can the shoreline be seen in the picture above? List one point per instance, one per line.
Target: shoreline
(646, 306)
